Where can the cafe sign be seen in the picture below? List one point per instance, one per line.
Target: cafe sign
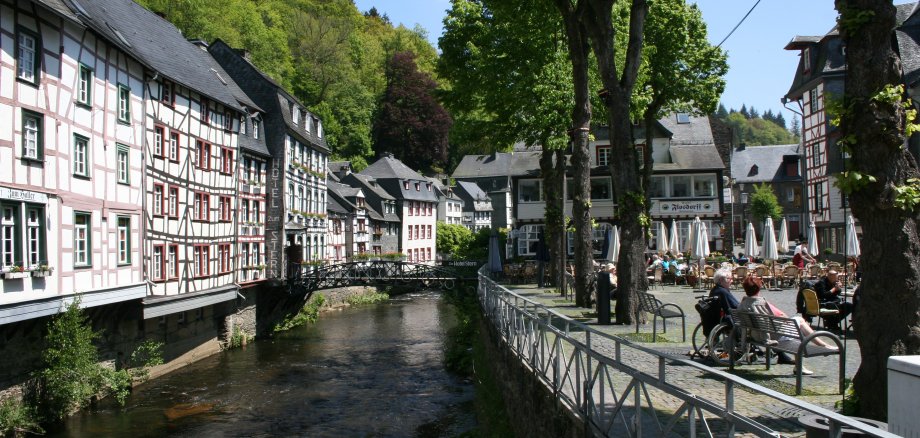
(23, 195)
(684, 208)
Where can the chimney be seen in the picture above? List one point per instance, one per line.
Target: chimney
(245, 54)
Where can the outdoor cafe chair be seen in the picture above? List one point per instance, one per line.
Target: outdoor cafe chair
(790, 275)
(739, 275)
(656, 278)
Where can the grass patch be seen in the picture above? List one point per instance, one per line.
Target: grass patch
(307, 314)
(644, 337)
(238, 337)
(770, 381)
(376, 297)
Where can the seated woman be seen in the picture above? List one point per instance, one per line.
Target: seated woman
(753, 302)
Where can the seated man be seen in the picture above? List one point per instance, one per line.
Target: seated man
(828, 290)
(741, 259)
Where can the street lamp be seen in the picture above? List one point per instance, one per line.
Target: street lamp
(744, 201)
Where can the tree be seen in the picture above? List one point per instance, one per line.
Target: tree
(744, 111)
(410, 123)
(721, 112)
(510, 82)
(452, 239)
(764, 203)
(795, 128)
(882, 184)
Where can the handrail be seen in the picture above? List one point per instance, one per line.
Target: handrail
(581, 377)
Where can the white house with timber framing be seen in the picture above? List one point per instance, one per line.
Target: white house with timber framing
(71, 179)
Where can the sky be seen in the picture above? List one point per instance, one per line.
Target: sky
(760, 71)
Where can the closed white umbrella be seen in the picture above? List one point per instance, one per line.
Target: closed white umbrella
(852, 240)
(705, 239)
(750, 241)
(674, 241)
(662, 241)
(697, 250)
(769, 241)
(782, 243)
(613, 250)
(812, 240)
(691, 236)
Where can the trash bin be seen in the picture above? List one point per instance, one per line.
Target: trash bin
(817, 426)
(603, 298)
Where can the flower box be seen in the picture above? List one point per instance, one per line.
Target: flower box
(41, 273)
(246, 187)
(14, 275)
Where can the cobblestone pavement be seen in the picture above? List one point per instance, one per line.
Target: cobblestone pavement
(820, 389)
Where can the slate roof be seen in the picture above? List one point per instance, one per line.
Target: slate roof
(767, 159)
(284, 101)
(498, 164)
(339, 166)
(369, 183)
(388, 167)
(62, 9)
(334, 206)
(828, 57)
(156, 43)
(481, 201)
(374, 215)
(343, 190)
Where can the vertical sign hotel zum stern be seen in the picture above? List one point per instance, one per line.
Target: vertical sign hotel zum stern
(273, 221)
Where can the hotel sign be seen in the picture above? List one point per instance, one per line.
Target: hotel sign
(684, 208)
(23, 195)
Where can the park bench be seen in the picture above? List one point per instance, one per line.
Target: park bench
(783, 334)
(648, 303)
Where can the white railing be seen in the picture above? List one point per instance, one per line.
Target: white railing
(616, 398)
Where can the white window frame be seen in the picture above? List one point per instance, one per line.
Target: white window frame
(124, 103)
(124, 240)
(82, 236)
(28, 59)
(85, 85)
(122, 160)
(81, 158)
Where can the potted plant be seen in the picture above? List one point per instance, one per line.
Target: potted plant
(42, 271)
(17, 271)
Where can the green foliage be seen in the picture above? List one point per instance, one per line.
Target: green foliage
(373, 298)
(757, 131)
(764, 203)
(907, 197)
(849, 406)
(452, 239)
(307, 314)
(18, 418)
(851, 20)
(72, 375)
(238, 337)
(852, 181)
(325, 52)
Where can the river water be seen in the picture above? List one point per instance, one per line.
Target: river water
(373, 370)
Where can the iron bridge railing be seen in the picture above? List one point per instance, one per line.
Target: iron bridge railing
(615, 398)
(376, 272)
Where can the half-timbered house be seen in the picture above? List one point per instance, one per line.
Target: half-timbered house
(297, 177)
(71, 151)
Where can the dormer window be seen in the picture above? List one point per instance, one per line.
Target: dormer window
(255, 128)
(418, 187)
(243, 125)
(429, 187)
(683, 118)
(167, 93)
(806, 59)
(406, 185)
(228, 121)
(296, 116)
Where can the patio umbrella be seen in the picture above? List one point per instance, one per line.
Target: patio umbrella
(769, 250)
(495, 257)
(750, 242)
(673, 243)
(812, 240)
(852, 240)
(605, 247)
(782, 244)
(613, 251)
(705, 239)
(662, 241)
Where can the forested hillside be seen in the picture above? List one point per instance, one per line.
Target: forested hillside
(752, 128)
(330, 55)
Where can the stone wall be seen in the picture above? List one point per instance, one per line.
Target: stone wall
(531, 406)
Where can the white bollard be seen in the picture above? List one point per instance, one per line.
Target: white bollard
(903, 387)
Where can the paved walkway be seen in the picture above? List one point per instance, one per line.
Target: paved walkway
(820, 388)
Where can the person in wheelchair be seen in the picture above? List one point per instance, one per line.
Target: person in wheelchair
(723, 283)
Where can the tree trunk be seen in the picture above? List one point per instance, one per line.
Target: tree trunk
(553, 217)
(577, 41)
(560, 241)
(624, 164)
(888, 317)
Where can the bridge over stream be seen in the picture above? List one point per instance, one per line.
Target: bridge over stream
(307, 279)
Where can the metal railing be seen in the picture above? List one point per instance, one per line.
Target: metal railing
(615, 398)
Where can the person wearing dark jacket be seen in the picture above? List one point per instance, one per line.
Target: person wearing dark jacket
(723, 281)
(828, 290)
